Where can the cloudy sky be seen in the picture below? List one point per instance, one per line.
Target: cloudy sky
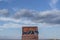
(42, 13)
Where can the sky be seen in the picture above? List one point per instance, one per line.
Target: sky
(45, 14)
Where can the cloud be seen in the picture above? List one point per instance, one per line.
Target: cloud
(26, 16)
(4, 12)
(53, 4)
(10, 25)
(14, 23)
(1, 29)
(8, 19)
(21, 20)
(49, 17)
(25, 13)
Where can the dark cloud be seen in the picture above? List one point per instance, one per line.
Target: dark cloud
(51, 16)
(24, 13)
(4, 12)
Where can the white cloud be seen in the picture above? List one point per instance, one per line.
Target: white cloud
(10, 25)
(26, 16)
(4, 12)
(42, 19)
(15, 9)
(25, 13)
(53, 4)
(17, 25)
(13, 23)
(54, 1)
(49, 16)
(1, 29)
(22, 21)
(8, 19)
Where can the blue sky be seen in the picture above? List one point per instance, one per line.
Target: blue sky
(17, 13)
